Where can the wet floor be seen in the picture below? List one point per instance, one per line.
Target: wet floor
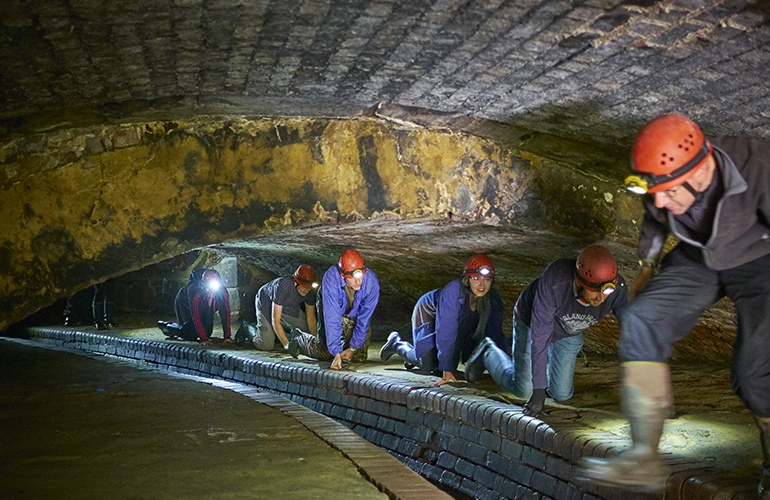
(84, 427)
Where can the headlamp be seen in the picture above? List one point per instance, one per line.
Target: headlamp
(636, 184)
(604, 287)
(213, 285)
(355, 273)
(306, 283)
(482, 271)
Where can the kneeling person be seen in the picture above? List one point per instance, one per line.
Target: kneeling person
(279, 308)
(347, 298)
(548, 322)
(449, 322)
(195, 306)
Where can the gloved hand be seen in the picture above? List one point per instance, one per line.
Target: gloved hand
(535, 404)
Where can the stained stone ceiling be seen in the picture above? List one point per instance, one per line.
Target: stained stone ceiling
(590, 70)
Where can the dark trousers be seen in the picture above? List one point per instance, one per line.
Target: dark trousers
(671, 303)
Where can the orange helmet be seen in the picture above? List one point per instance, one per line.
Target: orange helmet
(666, 152)
(479, 265)
(596, 270)
(351, 264)
(305, 276)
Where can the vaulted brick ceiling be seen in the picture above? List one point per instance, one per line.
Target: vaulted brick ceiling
(593, 69)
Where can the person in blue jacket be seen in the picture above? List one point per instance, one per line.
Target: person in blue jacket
(347, 298)
(449, 322)
(548, 322)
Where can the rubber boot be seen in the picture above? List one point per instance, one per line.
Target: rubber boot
(475, 365)
(645, 399)
(299, 343)
(763, 490)
(395, 346)
(391, 346)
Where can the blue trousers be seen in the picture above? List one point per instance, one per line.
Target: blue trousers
(515, 375)
(671, 303)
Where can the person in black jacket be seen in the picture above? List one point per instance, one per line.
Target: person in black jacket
(195, 306)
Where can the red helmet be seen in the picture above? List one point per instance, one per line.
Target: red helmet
(667, 151)
(210, 275)
(596, 270)
(479, 265)
(305, 276)
(351, 264)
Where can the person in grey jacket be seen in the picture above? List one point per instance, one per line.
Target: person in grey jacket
(713, 194)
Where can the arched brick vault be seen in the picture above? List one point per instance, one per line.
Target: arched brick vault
(589, 69)
(81, 205)
(555, 88)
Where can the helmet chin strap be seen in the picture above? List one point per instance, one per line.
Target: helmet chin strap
(692, 191)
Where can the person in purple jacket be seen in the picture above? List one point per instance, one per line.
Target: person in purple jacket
(347, 298)
(449, 322)
(548, 322)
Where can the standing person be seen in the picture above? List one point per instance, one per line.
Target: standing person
(346, 301)
(714, 195)
(548, 322)
(279, 307)
(448, 323)
(195, 306)
(99, 307)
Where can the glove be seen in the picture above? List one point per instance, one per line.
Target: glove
(535, 404)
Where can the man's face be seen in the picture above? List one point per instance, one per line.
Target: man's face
(595, 298)
(480, 285)
(676, 200)
(354, 283)
(303, 290)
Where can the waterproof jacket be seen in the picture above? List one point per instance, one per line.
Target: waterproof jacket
(335, 301)
(451, 331)
(741, 227)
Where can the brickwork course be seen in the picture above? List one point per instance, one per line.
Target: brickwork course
(593, 70)
(454, 436)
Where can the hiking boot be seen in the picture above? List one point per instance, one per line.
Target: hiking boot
(390, 347)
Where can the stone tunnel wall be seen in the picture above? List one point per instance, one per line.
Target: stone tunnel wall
(82, 205)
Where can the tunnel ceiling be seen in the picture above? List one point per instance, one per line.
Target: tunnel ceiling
(589, 70)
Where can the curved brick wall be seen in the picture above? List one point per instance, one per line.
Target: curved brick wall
(483, 448)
